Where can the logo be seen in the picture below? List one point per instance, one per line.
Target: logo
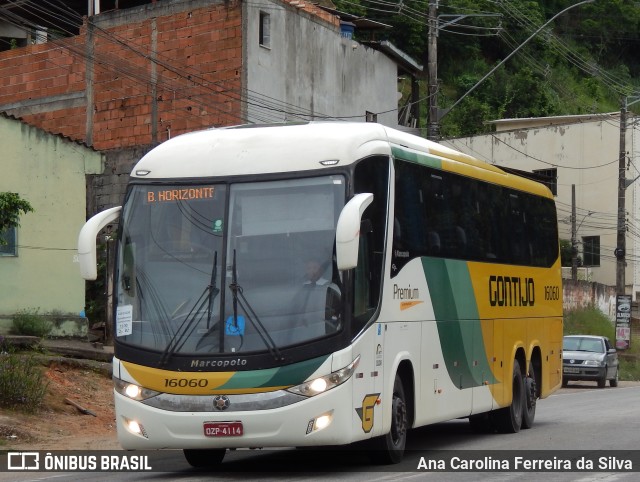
(23, 461)
(366, 411)
(221, 402)
(572, 361)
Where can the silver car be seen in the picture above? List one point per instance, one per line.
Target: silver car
(587, 357)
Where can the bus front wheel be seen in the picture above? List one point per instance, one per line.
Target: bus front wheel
(204, 457)
(509, 419)
(389, 449)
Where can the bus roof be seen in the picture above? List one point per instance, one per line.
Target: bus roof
(279, 148)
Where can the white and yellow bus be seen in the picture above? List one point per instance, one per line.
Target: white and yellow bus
(326, 283)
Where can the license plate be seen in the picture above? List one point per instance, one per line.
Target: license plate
(571, 370)
(223, 429)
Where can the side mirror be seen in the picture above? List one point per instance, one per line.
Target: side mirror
(348, 231)
(87, 245)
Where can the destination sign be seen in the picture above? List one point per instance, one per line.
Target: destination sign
(183, 194)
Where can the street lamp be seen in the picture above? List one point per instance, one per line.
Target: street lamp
(446, 111)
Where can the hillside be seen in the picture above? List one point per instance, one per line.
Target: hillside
(583, 62)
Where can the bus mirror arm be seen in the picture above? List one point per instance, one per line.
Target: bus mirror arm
(87, 246)
(348, 231)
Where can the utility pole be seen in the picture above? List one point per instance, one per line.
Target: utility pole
(433, 126)
(574, 240)
(622, 235)
(433, 22)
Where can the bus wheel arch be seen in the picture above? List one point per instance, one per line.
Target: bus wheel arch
(509, 418)
(389, 448)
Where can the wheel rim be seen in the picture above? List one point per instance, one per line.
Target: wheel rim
(399, 422)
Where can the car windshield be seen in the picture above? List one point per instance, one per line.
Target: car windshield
(229, 268)
(576, 343)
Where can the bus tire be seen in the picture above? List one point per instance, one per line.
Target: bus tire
(530, 398)
(509, 419)
(389, 448)
(204, 457)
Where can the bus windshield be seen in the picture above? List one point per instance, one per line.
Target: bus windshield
(217, 268)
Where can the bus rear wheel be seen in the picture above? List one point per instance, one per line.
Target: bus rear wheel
(530, 398)
(204, 457)
(509, 419)
(389, 449)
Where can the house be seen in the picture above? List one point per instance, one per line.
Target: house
(577, 153)
(136, 76)
(38, 268)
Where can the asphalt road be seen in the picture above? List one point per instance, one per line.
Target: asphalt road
(595, 422)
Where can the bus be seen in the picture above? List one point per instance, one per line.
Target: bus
(326, 284)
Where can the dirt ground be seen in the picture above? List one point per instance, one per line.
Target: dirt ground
(60, 425)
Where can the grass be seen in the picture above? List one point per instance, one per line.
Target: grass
(29, 322)
(22, 383)
(591, 321)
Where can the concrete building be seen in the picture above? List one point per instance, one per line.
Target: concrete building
(137, 76)
(581, 151)
(38, 268)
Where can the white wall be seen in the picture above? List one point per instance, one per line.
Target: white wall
(324, 74)
(49, 172)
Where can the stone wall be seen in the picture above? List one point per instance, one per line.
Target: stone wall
(582, 294)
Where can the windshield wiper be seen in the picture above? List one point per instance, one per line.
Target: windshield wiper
(239, 298)
(186, 328)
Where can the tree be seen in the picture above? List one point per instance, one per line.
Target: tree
(11, 207)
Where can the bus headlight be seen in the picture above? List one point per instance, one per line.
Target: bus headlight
(311, 388)
(133, 391)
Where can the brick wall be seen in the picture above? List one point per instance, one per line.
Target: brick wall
(44, 85)
(143, 74)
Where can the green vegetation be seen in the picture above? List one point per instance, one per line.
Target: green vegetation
(591, 321)
(22, 384)
(583, 62)
(30, 323)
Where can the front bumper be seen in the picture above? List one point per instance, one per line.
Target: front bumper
(582, 373)
(286, 426)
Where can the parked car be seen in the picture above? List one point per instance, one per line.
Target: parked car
(588, 357)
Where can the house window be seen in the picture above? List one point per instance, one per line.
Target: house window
(591, 250)
(550, 179)
(265, 29)
(8, 245)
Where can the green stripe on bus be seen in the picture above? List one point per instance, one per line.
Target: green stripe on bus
(412, 156)
(458, 321)
(289, 375)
